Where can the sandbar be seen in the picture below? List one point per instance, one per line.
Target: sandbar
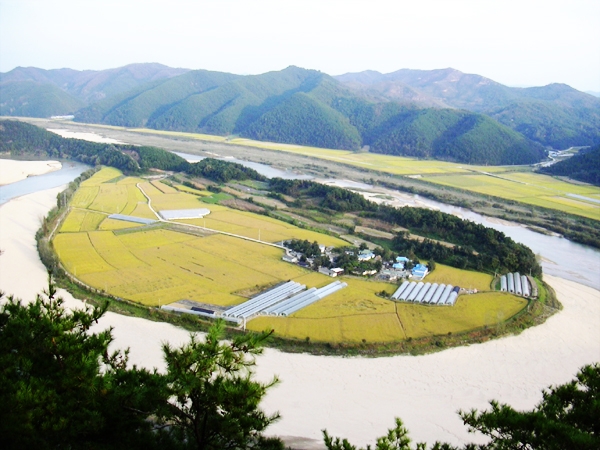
(12, 171)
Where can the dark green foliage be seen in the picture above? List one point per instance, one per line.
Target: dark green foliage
(157, 158)
(305, 121)
(495, 249)
(584, 166)
(331, 197)
(216, 400)
(61, 388)
(20, 138)
(310, 250)
(223, 171)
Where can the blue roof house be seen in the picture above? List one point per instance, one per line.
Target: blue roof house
(419, 271)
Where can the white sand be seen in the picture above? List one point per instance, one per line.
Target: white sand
(90, 137)
(12, 171)
(356, 397)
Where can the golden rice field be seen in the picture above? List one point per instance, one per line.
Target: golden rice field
(529, 188)
(82, 220)
(356, 313)
(458, 277)
(469, 312)
(161, 266)
(255, 226)
(155, 266)
(182, 188)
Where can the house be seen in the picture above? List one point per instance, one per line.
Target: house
(325, 271)
(402, 259)
(420, 271)
(398, 266)
(365, 255)
(290, 258)
(331, 272)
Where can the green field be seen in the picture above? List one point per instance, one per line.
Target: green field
(155, 266)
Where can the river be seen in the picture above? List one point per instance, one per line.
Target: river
(67, 173)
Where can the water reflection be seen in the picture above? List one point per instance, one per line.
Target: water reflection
(68, 172)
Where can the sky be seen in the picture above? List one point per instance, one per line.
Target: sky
(514, 42)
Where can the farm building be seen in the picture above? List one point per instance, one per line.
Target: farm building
(518, 284)
(427, 293)
(282, 300)
(172, 214)
(365, 255)
(402, 259)
(420, 271)
(290, 258)
(131, 219)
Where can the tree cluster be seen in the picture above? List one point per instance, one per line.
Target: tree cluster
(60, 387)
(308, 249)
(20, 138)
(495, 250)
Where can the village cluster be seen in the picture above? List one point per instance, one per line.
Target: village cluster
(393, 270)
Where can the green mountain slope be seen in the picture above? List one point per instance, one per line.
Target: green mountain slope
(304, 107)
(32, 99)
(555, 115)
(93, 85)
(231, 107)
(303, 120)
(584, 166)
(136, 108)
(439, 133)
(34, 92)
(308, 107)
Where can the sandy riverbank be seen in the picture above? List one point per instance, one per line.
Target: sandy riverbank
(12, 171)
(357, 398)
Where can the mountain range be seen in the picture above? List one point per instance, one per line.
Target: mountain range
(441, 114)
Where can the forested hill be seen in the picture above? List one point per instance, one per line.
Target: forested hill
(19, 138)
(584, 166)
(311, 108)
(86, 86)
(555, 115)
(294, 105)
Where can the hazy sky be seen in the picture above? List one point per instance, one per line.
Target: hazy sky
(514, 42)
